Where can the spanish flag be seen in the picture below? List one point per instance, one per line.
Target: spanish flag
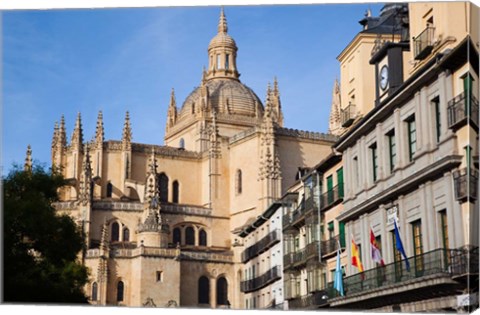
(356, 257)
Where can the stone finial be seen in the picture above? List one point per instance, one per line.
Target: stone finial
(127, 133)
(55, 135)
(104, 237)
(99, 132)
(85, 189)
(335, 124)
(222, 23)
(77, 136)
(62, 133)
(28, 160)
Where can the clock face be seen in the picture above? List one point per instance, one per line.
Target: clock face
(384, 77)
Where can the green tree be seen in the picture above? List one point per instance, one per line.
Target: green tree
(40, 246)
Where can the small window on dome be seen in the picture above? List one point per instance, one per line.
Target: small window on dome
(227, 59)
(218, 61)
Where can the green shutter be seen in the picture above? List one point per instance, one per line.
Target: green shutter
(467, 88)
(329, 189)
(341, 228)
(340, 182)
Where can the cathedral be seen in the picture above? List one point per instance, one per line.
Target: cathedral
(160, 221)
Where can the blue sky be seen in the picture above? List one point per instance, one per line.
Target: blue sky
(68, 61)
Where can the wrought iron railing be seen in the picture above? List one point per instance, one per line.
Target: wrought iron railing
(348, 115)
(295, 258)
(259, 247)
(315, 299)
(423, 43)
(439, 262)
(330, 246)
(312, 250)
(331, 196)
(262, 281)
(462, 109)
(466, 184)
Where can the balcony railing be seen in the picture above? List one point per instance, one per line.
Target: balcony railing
(262, 281)
(466, 184)
(265, 243)
(295, 259)
(309, 301)
(441, 262)
(330, 246)
(332, 196)
(312, 250)
(462, 109)
(348, 115)
(423, 43)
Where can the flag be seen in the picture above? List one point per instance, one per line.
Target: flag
(356, 257)
(399, 244)
(376, 254)
(338, 281)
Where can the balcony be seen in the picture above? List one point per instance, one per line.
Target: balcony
(462, 110)
(296, 259)
(261, 246)
(312, 250)
(310, 301)
(432, 265)
(262, 281)
(423, 43)
(466, 184)
(331, 197)
(329, 247)
(348, 115)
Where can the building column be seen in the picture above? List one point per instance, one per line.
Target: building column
(454, 221)
(419, 125)
(429, 219)
(213, 292)
(399, 139)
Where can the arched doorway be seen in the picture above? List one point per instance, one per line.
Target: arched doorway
(203, 290)
(222, 292)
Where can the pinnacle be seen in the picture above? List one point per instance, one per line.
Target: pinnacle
(222, 23)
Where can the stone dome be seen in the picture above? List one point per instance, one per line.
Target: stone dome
(226, 96)
(222, 40)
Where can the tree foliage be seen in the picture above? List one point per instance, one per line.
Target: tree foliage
(40, 246)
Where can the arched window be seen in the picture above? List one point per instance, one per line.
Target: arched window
(202, 238)
(175, 188)
(109, 190)
(222, 291)
(181, 144)
(203, 290)
(163, 183)
(189, 236)
(115, 232)
(238, 182)
(126, 235)
(177, 236)
(120, 289)
(94, 291)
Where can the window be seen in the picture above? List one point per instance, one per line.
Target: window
(218, 62)
(468, 157)
(438, 123)
(189, 236)
(238, 182)
(417, 246)
(355, 171)
(392, 150)
(109, 190)
(175, 191)
(222, 291)
(177, 236)
(227, 61)
(331, 234)
(412, 137)
(203, 290)
(202, 238)
(115, 232)
(181, 143)
(126, 234)
(94, 291)
(163, 183)
(397, 258)
(159, 276)
(373, 149)
(444, 227)
(341, 228)
(120, 289)
(467, 88)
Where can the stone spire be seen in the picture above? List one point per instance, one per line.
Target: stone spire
(215, 151)
(102, 269)
(85, 185)
(152, 221)
(222, 23)
(172, 111)
(335, 123)
(127, 133)
(59, 143)
(77, 136)
(28, 160)
(276, 104)
(99, 132)
(62, 133)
